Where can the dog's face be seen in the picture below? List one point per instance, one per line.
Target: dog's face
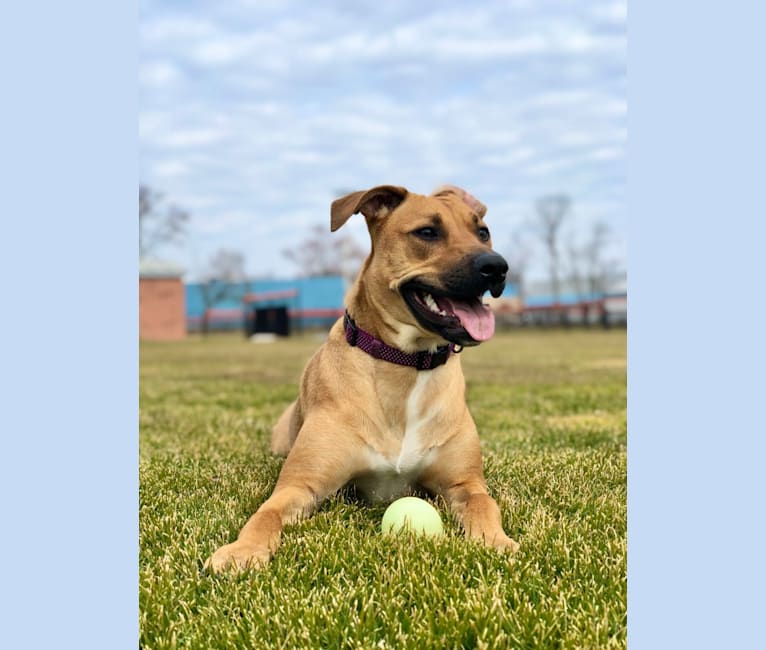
(431, 261)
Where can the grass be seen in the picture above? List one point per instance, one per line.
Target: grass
(550, 407)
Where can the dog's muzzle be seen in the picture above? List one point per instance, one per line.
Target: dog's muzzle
(452, 305)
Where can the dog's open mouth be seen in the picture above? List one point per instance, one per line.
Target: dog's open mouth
(464, 320)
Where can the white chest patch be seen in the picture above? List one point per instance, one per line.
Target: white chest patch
(411, 453)
(389, 477)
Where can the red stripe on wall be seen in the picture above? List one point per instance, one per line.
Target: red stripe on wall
(315, 313)
(270, 295)
(231, 315)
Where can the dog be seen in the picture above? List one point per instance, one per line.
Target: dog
(382, 401)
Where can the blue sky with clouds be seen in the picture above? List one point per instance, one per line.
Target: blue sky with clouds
(255, 114)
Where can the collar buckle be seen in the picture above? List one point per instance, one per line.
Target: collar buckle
(441, 355)
(352, 331)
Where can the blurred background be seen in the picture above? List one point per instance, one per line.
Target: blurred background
(255, 115)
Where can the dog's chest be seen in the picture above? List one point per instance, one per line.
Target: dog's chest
(390, 474)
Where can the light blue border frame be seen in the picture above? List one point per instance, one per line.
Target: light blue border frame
(69, 458)
(695, 336)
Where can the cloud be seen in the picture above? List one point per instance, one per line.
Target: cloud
(169, 168)
(612, 12)
(224, 222)
(158, 73)
(184, 138)
(268, 109)
(510, 158)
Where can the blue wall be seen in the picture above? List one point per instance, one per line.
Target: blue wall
(314, 295)
(544, 300)
(317, 303)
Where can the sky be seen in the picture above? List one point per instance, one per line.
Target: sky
(256, 114)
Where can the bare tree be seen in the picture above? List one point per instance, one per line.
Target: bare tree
(588, 270)
(518, 256)
(551, 210)
(597, 269)
(323, 253)
(157, 226)
(574, 262)
(222, 281)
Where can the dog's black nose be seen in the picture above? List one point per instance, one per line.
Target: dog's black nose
(492, 268)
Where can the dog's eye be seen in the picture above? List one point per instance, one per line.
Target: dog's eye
(429, 233)
(484, 234)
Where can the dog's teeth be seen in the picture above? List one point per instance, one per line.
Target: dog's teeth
(431, 303)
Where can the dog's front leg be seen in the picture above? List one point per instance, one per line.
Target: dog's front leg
(311, 473)
(260, 537)
(479, 514)
(457, 475)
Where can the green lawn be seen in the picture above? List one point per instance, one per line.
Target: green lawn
(551, 410)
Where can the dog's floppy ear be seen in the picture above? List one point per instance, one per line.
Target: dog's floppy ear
(469, 199)
(377, 202)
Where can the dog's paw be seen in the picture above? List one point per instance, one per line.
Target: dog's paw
(237, 557)
(505, 544)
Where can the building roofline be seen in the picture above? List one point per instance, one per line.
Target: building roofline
(152, 269)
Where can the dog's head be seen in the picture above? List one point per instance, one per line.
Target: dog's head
(431, 260)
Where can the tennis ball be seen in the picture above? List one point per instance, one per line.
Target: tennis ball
(413, 514)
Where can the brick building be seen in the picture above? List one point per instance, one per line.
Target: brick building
(161, 302)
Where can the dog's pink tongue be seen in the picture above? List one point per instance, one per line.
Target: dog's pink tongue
(477, 319)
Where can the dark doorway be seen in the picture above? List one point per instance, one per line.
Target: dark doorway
(273, 320)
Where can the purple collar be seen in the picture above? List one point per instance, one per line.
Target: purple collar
(378, 349)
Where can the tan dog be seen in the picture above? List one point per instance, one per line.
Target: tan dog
(382, 402)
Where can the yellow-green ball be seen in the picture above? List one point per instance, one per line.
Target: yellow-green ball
(412, 514)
